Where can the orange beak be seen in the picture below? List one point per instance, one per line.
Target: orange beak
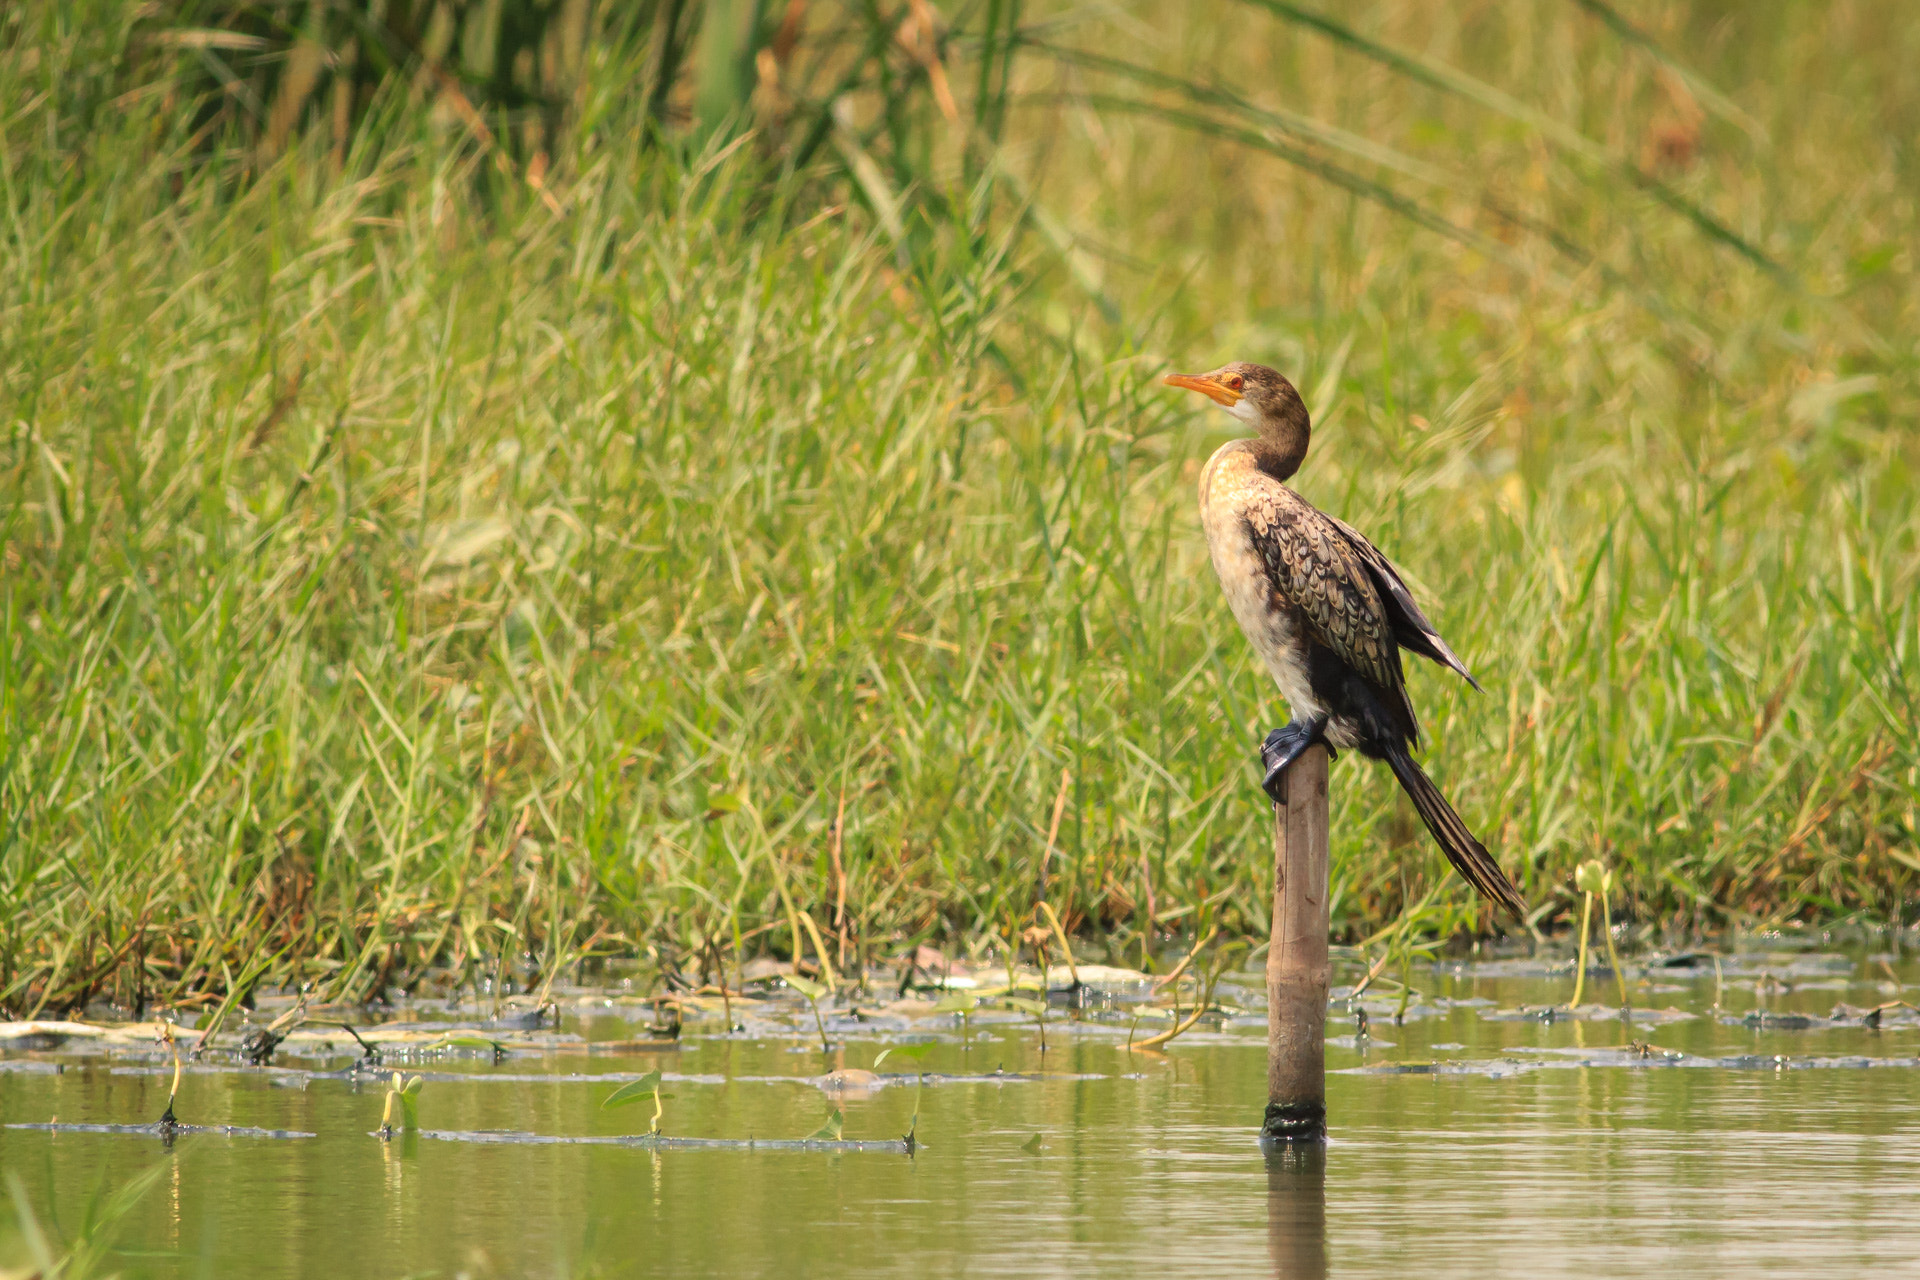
(1207, 386)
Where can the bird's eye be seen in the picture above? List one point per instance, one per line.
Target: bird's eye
(1235, 382)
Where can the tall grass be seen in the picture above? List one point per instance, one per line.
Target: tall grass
(409, 565)
(1650, 476)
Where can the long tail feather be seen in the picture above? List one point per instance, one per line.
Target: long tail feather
(1468, 856)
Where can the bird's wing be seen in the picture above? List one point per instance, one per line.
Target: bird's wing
(1410, 626)
(1317, 570)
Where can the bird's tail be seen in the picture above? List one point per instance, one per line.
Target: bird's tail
(1468, 856)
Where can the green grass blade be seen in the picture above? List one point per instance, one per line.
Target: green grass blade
(1438, 75)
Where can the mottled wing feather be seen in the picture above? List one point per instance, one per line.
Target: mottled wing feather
(1424, 639)
(1317, 570)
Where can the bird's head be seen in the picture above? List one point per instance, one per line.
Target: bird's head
(1266, 402)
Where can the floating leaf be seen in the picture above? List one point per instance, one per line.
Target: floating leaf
(1032, 1145)
(913, 1051)
(831, 1130)
(465, 1042)
(633, 1090)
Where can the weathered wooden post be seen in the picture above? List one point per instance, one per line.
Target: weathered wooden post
(1297, 968)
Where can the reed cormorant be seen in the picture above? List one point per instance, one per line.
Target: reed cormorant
(1324, 610)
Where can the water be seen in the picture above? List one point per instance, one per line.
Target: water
(1480, 1141)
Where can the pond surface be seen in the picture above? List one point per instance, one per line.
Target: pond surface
(1475, 1138)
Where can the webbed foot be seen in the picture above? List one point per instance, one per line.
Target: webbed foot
(1284, 745)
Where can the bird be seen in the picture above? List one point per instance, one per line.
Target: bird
(1324, 610)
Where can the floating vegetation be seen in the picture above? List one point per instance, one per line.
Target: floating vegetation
(962, 1005)
(1202, 1005)
(830, 1129)
(1594, 880)
(165, 1132)
(403, 1094)
(813, 992)
(914, 1052)
(374, 1042)
(1466, 1010)
(634, 1090)
(658, 1142)
(167, 1123)
(1550, 1013)
(1036, 1009)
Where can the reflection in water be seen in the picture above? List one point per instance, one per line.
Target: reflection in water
(1297, 1210)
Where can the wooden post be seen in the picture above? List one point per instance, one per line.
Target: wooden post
(1297, 958)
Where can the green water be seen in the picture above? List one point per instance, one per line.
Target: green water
(1480, 1141)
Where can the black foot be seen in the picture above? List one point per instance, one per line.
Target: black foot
(1284, 745)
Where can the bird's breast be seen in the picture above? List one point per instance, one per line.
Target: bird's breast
(1229, 488)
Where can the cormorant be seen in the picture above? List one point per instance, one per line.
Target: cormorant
(1324, 610)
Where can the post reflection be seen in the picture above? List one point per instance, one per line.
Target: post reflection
(1297, 1210)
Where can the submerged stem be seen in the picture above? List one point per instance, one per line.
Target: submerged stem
(167, 1120)
(1613, 957)
(1580, 970)
(818, 1021)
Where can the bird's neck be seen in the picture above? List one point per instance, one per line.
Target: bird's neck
(1281, 446)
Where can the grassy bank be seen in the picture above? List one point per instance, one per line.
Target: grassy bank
(408, 565)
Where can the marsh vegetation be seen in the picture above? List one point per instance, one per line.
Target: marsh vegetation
(701, 505)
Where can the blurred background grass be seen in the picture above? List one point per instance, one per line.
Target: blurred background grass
(493, 485)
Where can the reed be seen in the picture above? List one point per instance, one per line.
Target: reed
(411, 567)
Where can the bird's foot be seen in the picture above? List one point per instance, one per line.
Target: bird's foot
(1284, 745)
